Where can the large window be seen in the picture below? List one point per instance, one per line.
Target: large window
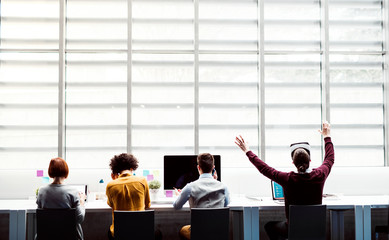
(29, 83)
(357, 81)
(158, 77)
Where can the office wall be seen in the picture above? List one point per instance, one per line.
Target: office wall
(20, 184)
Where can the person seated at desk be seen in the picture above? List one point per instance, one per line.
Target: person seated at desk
(127, 192)
(304, 187)
(206, 192)
(58, 195)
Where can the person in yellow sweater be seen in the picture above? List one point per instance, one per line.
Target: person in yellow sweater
(126, 191)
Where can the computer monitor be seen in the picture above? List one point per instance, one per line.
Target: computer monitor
(178, 170)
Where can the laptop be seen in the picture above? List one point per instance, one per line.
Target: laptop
(81, 188)
(277, 192)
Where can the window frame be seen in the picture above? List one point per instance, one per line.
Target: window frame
(261, 52)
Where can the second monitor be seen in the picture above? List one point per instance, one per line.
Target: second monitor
(182, 169)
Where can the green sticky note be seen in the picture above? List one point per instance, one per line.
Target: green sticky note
(156, 173)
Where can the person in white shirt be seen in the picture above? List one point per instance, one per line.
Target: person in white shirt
(206, 192)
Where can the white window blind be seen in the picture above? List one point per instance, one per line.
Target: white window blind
(293, 105)
(357, 81)
(163, 106)
(96, 81)
(292, 80)
(181, 77)
(29, 83)
(228, 77)
(292, 25)
(29, 24)
(96, 108)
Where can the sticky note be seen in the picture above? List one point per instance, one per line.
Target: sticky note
(146, 172)
(150, 177)
(169, 193)
(39, 173)
(45, 179)
(156, 173)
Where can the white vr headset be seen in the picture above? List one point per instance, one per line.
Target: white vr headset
(304, 145)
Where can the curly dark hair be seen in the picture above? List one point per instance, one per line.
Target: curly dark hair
(123, 162)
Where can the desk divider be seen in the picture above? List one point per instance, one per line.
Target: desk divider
(358, 222)
(367, 222)
(337, 224)
(13, 224)
(251, 223)
(17, 224)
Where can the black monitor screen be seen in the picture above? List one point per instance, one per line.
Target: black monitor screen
(178, 170)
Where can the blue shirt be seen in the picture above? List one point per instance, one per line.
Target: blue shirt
(206, 192)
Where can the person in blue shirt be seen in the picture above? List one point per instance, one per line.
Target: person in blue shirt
(206, 192)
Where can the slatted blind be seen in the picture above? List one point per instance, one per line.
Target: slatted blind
(160, 77)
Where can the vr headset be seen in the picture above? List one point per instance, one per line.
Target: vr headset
(304, 145)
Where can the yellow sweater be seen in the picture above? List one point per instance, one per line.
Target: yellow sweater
(127, 193)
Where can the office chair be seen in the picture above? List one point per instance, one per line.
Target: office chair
(134, 225)
(307, 222)
(56, 224)
(210, 223)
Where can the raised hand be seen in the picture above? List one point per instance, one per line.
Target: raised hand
(326, 130)
(242, 144)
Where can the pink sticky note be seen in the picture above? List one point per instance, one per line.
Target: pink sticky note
(39, 173)
(169, 193)
(150, 177)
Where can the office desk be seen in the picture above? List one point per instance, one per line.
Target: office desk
(18, 210)
(367, 203)
(360, 204)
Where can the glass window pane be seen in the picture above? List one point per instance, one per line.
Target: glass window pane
(356, 26)
(293, 106)
(162, 25)
(162, 106)
(96, 107)
(91, 25)
(29, 24)
(357, 108)
(228, 25)
(292, 25)
(28, 108)
(228, 104)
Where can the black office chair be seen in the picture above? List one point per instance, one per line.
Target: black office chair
(56, 224)
(307, 222)
(134, 225)
(210, 223)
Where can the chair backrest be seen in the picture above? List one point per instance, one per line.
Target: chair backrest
(56, 224)
(210, 223)
(307, 222)
(134, 225)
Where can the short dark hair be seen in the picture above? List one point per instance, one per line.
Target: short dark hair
(58, 168)
(123, 162)
(206, 162)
